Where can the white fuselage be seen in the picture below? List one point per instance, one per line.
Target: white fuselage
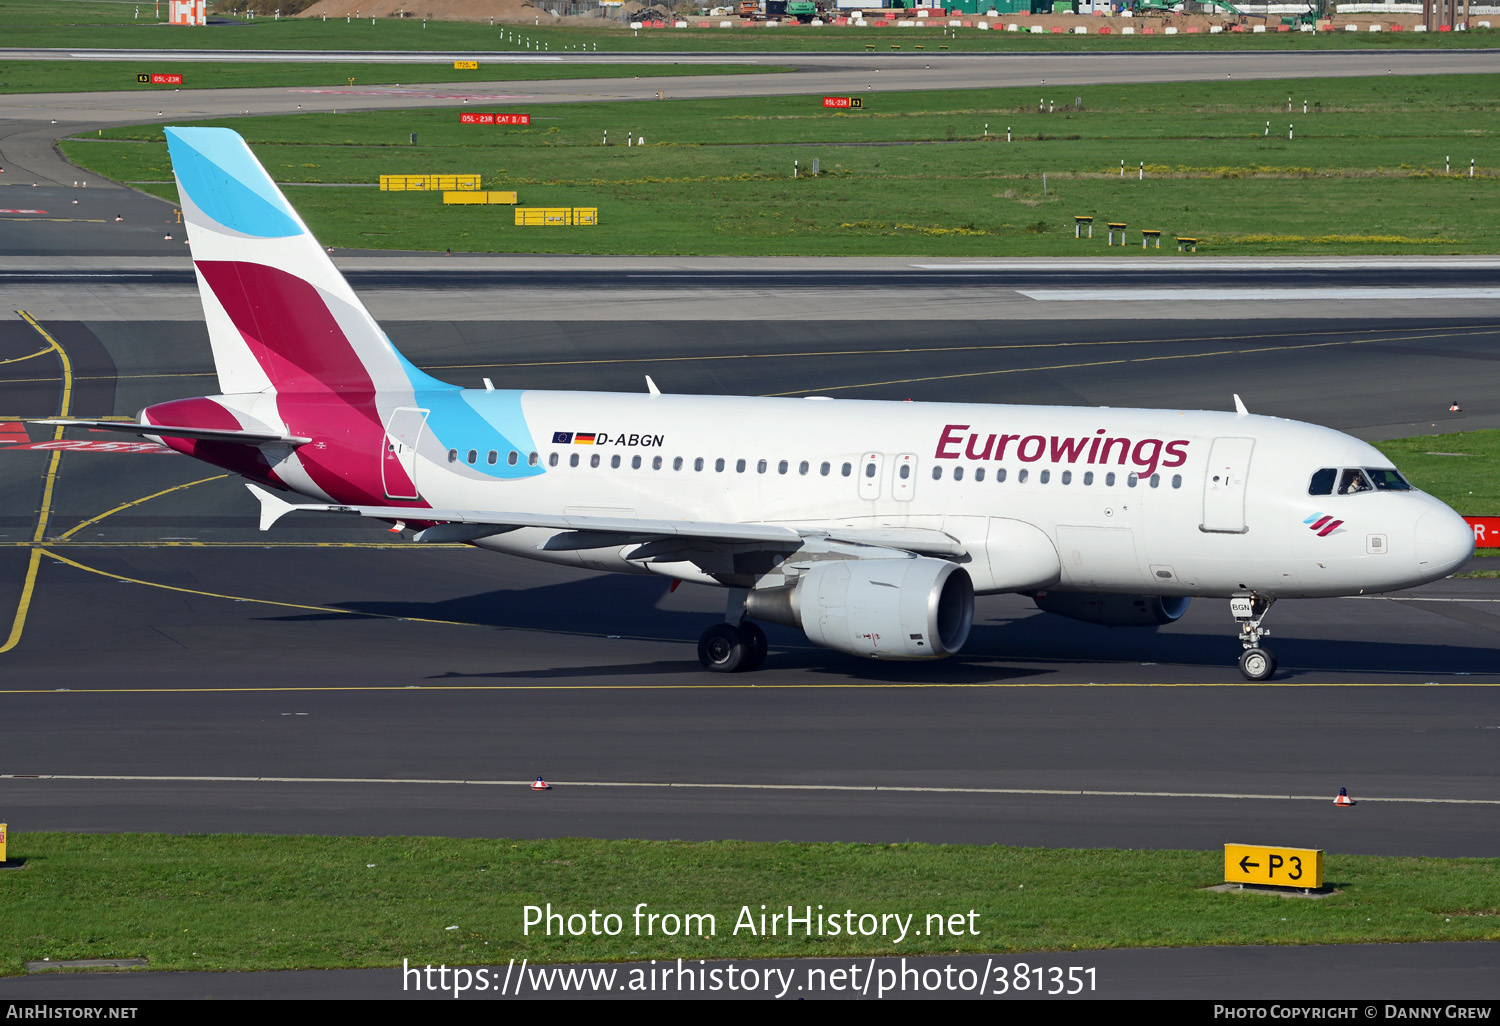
(1133, 501)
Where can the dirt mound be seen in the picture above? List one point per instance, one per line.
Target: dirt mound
(435, 10)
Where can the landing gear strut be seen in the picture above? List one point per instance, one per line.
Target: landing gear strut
(726, 648)
(1256, 663)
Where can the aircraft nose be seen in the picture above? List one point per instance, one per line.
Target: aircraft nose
(1445, 541)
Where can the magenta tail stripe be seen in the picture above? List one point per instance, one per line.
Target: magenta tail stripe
(1320, 523)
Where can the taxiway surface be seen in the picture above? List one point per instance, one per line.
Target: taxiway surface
(177, 670)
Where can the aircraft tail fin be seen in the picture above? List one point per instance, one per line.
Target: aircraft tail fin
(280, 315)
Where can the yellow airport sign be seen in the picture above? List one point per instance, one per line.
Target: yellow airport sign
(1273, 867)
(466, 65)
(2, 842)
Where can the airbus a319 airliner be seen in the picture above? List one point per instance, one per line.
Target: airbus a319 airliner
(870, 526)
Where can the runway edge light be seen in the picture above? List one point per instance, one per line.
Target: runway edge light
(540, 785)
(1343, 798)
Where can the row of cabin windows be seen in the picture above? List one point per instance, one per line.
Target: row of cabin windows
(1045, 477)
(804, 468)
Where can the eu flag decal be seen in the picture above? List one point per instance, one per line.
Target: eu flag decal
(561, 437)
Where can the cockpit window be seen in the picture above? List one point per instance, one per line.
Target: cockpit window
(1388, 480)
(1322, 482)
(1353, 480)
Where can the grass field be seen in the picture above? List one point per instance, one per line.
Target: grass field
(96, 76)
(70, 23)
(1462, 469)
(259, 902)
(914, 173)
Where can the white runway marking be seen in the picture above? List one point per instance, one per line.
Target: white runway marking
(1205, 295)
(872, 788)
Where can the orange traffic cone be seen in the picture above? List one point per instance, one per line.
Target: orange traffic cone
(1343, 798)
(540, 785)
(1454, 407)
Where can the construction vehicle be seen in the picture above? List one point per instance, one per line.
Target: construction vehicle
(750, 10)
(803, 10)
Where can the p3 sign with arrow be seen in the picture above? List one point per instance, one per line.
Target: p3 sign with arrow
(1273, 867)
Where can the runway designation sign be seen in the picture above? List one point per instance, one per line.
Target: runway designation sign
(1273, 867)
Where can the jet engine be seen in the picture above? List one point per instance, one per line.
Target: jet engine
(919, 608)
(1113, 610)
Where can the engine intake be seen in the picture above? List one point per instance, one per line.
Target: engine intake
(920, 608)
(1113, 610)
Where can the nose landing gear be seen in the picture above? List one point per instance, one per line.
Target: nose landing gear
(1256, 663)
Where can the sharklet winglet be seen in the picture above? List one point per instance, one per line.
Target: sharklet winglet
(272, 507)
(1239, 406)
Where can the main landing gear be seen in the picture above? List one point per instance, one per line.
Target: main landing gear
(1256, 663)
(727, 648)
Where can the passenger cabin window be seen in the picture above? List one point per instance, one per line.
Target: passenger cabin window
(491, 457)
(698, 463)
(573, 459)
(979, 474)
(1388, 480)
(594, 460)
(719, 465)
(760, 466)
(739, 466)
(781, 468)
(824, 468)
(1353, 480)
(848, 469)
(958, 473)
(1022, 476)
(452, 455)
(614, 462)
(1322, 482)
(473, 456)
(511, 459)
(937, 473)
(635, 463)
(552, 460)
(1000, 475)
(803, 467)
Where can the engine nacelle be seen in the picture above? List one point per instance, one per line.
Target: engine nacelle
(1113, 610)
(919, 608)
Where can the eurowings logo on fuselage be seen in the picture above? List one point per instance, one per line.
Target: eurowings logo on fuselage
(1145, 453)
(1323, 525)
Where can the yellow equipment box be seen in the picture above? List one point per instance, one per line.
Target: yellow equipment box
(557, 215)
(430, 183)
(491, 198)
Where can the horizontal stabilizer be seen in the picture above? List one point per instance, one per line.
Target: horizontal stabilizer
(130, 427)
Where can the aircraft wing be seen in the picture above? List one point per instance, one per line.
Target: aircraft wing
(160, 430)
(460, 525)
